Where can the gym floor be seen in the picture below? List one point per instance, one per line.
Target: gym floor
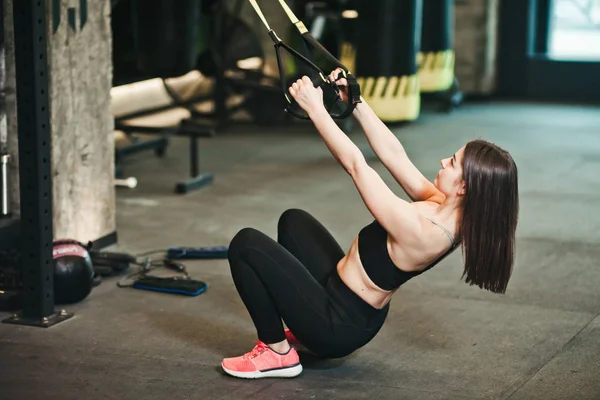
(442, 340)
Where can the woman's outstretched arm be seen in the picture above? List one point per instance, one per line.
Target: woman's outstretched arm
(393, 155)
(397, 216)
(390, 151)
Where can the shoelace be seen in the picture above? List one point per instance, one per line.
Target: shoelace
(257, 350)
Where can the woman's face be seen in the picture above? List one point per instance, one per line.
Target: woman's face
(449, 179)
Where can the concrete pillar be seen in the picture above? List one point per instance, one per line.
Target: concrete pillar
(475, 45)
(82, 123)
(8, 128)
(80, 57)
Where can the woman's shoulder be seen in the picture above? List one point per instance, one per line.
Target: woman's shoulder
(426, 243)
(426, 207)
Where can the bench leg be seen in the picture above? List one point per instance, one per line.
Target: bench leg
(197, 180)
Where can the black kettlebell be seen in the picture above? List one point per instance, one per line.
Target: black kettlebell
(73, 271)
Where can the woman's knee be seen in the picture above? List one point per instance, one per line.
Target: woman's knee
(291, 217)
(242, 239)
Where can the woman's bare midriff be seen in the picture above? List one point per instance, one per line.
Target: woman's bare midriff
(353, 274)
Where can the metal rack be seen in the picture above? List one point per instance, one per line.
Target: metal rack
(34, 133)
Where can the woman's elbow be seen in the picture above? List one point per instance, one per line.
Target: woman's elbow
(355, 164)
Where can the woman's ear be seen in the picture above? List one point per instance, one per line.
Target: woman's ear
(462, 188)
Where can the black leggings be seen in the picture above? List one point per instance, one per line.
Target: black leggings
(295, 279)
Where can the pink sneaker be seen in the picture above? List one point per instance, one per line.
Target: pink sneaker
(263, 362)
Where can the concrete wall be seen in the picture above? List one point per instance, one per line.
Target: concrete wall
(81, 121)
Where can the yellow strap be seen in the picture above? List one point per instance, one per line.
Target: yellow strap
(260, 14)
(289, 12)
(301, 28)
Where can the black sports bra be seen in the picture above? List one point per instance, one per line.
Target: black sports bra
(372, 247)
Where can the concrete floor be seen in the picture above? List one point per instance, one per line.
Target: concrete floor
(443, 339)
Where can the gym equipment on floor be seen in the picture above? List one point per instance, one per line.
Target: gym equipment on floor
(182, 284)
(77, 269)
(73, 271)
(107, 263)
(197, 253)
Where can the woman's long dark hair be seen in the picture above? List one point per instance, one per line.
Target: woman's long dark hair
(490, 214)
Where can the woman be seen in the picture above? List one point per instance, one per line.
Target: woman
(334, 303)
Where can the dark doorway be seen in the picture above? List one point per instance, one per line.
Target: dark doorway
(550, 50)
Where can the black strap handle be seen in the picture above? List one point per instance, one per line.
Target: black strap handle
(354, 96)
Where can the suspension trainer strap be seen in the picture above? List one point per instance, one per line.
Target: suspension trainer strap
(324, 82)
(353, 86)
